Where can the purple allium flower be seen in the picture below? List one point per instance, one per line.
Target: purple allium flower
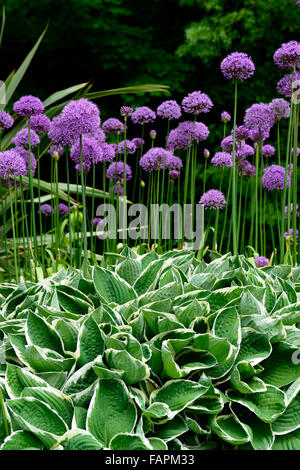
(97, 222)
(284, 86)
(241, 133)
(257, 135)
(259, 116)
(225, 117)
(118, 188)
(25, 155)
(40, 123)
(153, 134)
(126, 111)
(196, 103)
(246, 169)
(173, 174)
(268, 150)
(243, 151)
(109, 152)
(28, 106)
(138, 142)
(288, 55)
(113, 126)
(56, 149)
(280, 109)
(116, 171)
(213, 199)
(174, 163)
(143, 115)
(206, 153)
(11, 164)
(63, 209)
(227, 144)
(169, 110)
(222, 159)
(291, 211)
(237, 65)
(98, 134)
(130, 147)
(298, 151)
(46, 209)
(91, 152)
(291, 234)
(186, 133)
(155, 159)
(261, 261)
(21, 138)
(6, 121)
(273, 178)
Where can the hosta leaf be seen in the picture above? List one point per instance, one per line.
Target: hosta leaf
(111, 411)
(287, 441)
(44, 360)
(282, 367)
(79, 418)
(134, 369)
(129, 270)
(229, 429)
(148, 277)
(41, 334)
(289, 420)
(243, 379)
(111, 288)
(190, 312)
(70, 302)
(22, 440)
(171, 429)
(249, 305)
(125, 441)
(79, 440)
(254, 347)
(227, 325)
(18, 378)
(90, 342)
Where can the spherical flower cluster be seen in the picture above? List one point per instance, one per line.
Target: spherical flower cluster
(63, 209)
(246, 169)
(143, 115)
(268, 150)
(173, 162)
(222, 159)
(169, 110)
(291, 211)
(243, 151)
(274, 177)
(40, 123)
(91, 150)
(11, 164)
(28, 106)
(6, 121)
(21, 138)
(261, 261)
(56, 149)
(130, 147)
(259, 135)
(280, 109)
(298, 151)
(113, 126)
(227, 144)
(225, 117)
(46, 209)
(284, 86)
(116, 171)
(213, 199)
(155, 159)
(241, 133)
(186, 133)
(126, 111)
(291, 235)
(288, 55)
(25, 155)
(237, 65)
(259, 116)
(109, 152)
(97, 221)
(173, 175)
(138, 142)
(196, 103)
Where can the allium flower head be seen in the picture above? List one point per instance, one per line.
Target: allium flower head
(259, 116)
(155, 159)
(153, 134)
(46, 209)
(56, 149)
(241, 133)
(113, 126)
(11, 164)
(257, 135)
(130, 147)
(21, 138)
(291, 211)
(173, 175)
(227, 144)
(186, 133)
(243, 151)
(280, 109)
(98, 221)
(40, 123)
(138, 142)
(225, 117)
(173, 162)
(126, 111)
(213, 199)
(291, 235)
(284, 86)
(6, 121)
(261, 261)
(273, 178)
(222, 159)
(109, 152)
(143, 115)
(169, 110)
(287, 56)
(25, 155)
(115, 171)
(63, 209)
(196, 103)
(28, 106)
(268, 150)
(246, 169)
(237, 65)
(92, 152)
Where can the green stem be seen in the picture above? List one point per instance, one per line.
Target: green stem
(234, 195)
(85, 257)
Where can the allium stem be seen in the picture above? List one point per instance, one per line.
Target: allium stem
(13, 231)
(26, 227)
(295, 180)
(125, 183)
(242, 245)
(93, 207)
(3, 209)
(69, 211)
(32, 202)
(234, 194)
(226, 209)
(56, 214)
(278, 142)
(256, 196)
(40, 212)
(85, 257)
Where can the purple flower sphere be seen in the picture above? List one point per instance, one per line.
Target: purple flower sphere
(169, 110)
(25, 155)
(98, 222)
(259, 116)
(130, 147)
(196, 103)
(287, 56)
(237, 65)
(6, 121)
(40, 123)
(280, 109)
(155, 159)
(225, 117)
(126, 111)
(92, 152)
(113, 126)
(261, 261)
(258, 135)
(63, 209)
(11, 164)
(173, 162)
(284, 86)
(241, 133)
(21, 138)
(244, 151)
(268, 150)
(109, 152)
(222, 159)
(28, 106)
(116, 171)
(138, 142)
(213, 199)
(46, 209)
(246, 169)
(143, 115)
(274, 177)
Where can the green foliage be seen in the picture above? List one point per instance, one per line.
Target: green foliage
(205, 362)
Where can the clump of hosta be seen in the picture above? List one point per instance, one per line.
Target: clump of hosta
(158, 352)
